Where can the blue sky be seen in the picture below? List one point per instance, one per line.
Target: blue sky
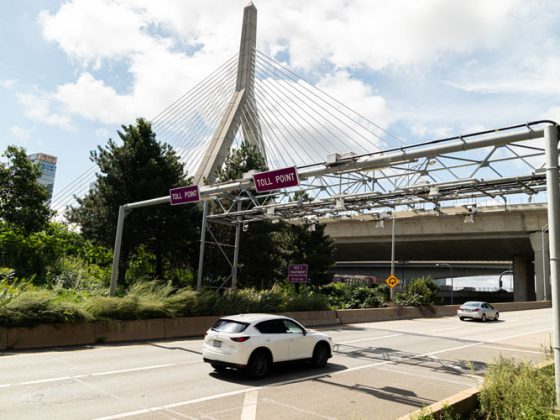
(71, 72)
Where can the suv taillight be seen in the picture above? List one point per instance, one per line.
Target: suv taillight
(239, 339)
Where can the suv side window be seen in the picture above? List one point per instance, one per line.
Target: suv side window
(273, 326)
(292, 327)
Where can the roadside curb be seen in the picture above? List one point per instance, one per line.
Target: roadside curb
(462, 403)
(86, 333)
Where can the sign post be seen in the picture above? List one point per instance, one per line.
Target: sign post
(275, 180)
(183, 195)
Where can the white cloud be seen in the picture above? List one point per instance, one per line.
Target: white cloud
(93, 30)
(378, 34)
(38, 108)
(22, 134)
(552, 114)
(169, 46)
(102, 133)
(363, 97)
(8, 83)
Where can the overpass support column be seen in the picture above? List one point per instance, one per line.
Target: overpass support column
(539, 242)
(523, 282)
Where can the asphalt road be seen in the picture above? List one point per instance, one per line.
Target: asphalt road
(379, 371)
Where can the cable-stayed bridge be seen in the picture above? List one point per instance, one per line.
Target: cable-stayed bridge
(349, 167)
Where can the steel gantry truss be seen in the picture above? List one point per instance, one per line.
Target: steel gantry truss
(421, 178)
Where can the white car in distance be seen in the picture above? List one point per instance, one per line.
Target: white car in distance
(253, 342)
(478, 310)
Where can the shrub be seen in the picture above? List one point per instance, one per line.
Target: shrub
(32, 255)
(10, 285)
(347, 296)
(363, 297)
(143, 301)
(421, 291)
(517, 390)
(77, 274)
(39, 306)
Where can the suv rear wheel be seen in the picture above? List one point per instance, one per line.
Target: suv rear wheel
(258, 365)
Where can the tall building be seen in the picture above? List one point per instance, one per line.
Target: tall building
(47, 163)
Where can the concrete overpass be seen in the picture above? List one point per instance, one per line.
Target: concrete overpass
(513, 233)
(413, 269)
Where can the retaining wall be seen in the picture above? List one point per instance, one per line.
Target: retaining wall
(52, 335)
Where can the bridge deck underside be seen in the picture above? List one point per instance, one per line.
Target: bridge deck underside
(454, 248)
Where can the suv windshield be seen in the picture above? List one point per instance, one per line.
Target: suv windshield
(228, 326)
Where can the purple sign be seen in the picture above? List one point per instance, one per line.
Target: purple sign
(275, 180)
(297, 273)
(182, 195)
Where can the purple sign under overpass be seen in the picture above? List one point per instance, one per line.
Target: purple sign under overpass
(275, 180)
(183, 195)
(297, 273)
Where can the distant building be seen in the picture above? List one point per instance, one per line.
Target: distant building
(47, 163)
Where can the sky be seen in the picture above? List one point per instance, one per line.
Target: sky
(72, 72)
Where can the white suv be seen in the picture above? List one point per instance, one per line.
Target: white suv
(254, 341)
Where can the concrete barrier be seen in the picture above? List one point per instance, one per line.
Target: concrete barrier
(522, 306)
(3, 338)
(137, 330)
(314, 318)
(188, 327)
(49, 335)
(352, 316)
(460, 404)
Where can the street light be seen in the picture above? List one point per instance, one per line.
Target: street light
(500, 283)
(451, 269)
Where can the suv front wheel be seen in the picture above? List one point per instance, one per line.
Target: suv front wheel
(321, 355)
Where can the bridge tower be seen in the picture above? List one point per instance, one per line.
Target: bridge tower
(241, 110)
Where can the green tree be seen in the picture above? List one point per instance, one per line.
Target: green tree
(22, 199)
(139, 169)
(259, 260)
(266, 249)
(310, 245)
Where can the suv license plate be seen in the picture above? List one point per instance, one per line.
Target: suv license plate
(217, 343)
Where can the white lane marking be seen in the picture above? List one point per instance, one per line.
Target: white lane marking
(428, 377)
(120, 416)
(271, 401)
(445, 329)
(113, 372)
(321, 375)
(368, 339)
(86, 375)
(43, 381)
(513, 350)
(249, 411)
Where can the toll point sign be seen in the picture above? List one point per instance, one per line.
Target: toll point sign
(392, 281)
(297, 273)
(276, 180)
(183, 195)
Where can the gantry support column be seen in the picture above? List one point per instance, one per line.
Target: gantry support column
(242, 107)
(523, 279)
(539, 242)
